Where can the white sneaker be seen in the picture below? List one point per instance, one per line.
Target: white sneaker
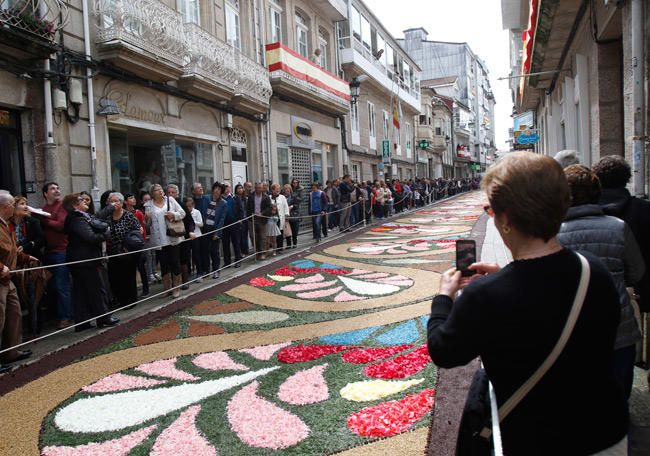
(215, 275)
(199, 280)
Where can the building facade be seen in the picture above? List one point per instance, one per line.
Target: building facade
(389, 83)
(444, 61)
(588, 68)
(434, 135)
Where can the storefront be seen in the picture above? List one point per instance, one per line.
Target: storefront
(12, 167)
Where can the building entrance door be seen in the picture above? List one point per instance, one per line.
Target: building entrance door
(239, 173)
(301, 170)
(11, 163)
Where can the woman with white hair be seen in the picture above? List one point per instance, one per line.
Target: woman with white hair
(122, 269)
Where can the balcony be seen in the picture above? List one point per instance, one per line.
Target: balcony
(150, 39)
(295, 77)
(335, 10)
(142, 36)
(357, 58)
(30, 26)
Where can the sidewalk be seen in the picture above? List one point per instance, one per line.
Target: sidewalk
(495, 251)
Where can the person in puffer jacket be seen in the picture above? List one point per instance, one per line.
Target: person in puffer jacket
(587, 229)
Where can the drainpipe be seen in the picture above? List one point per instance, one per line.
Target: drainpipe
(638, 139)
(91, 106)
(47, 94)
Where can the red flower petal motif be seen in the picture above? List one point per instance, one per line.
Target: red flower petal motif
(305, 270)
(393, 417)
(261, 282)
(303, 353)
(368, 355)
(285, 271)
(336, 271)
(400, 367)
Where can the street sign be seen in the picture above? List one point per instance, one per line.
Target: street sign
(531, 138)
(385, 151)
(424, 144)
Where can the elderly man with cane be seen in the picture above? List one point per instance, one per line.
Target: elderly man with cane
(10, 315)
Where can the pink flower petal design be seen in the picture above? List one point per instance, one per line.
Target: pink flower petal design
(183, 438)
(277, 430)
(319, 293)
(394, 251)
(416, 248)
(116, 447)
(120, 382)
(358, 271)
(347, 297)
(312, 279)
(308, 286)
(376, 275)
(399, 283)
(305, 387)
(217, 361)
(166, 368)
(264, 352)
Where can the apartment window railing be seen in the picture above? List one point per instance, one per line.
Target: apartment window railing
(41, 18)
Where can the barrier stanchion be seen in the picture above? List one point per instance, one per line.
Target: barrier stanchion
(254, 238)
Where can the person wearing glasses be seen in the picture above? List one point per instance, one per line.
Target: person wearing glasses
(512, 318)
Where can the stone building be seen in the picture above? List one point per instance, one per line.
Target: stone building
(388, 78)
(435, 133)
(584, 76)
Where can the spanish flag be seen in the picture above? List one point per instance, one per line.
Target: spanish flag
(397, 112)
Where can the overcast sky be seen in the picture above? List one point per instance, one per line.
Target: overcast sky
(477, 22)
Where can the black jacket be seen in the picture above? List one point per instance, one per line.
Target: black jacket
(344, 190)
(239, 208)
(265, 207)
(636, 213)
(34, 237)
(83, 242)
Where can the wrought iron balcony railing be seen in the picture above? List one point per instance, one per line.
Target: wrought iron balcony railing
(209, 57)
(253, 79)
(39, 18)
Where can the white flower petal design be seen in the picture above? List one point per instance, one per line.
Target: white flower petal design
(368, 289)
(112, 412)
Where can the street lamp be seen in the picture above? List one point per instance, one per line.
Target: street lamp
(355, 89)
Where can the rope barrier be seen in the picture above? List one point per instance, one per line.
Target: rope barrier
(172, 289)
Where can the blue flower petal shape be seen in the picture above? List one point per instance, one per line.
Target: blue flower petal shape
(329, 266)
(424, 319)
(349, 338)
(303, 264)
(403, 334)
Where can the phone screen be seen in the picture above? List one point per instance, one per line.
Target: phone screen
(465, 256)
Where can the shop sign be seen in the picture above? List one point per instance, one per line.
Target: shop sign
(524, 131)
(302, 133)
(385, 151)
(126, 103)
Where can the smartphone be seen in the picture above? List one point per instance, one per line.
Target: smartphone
(465, 256)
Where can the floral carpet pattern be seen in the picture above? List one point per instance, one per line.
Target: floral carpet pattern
(319, 355)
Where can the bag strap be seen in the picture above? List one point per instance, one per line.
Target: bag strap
(524, 389)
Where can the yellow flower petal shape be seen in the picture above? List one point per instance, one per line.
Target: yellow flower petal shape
(278, 278)
(372, 390)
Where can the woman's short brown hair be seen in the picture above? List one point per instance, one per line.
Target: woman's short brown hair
(584, 185)
(70, 201)
(531, 190)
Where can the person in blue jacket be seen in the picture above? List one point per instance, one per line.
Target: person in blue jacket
(216, 216)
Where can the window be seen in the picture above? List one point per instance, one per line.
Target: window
(322, 45)
(275, 21)
(355, 19)
(371, 120)
(283, 158)
(366, 32)
(233, 32)
(354, 116)
(423, 119)
(390, 57)
(330, 151)
(409, 138)
(406, 74)
(381, 46)
(438, 131)
(189, 9)
(302, 33)
(385, 124)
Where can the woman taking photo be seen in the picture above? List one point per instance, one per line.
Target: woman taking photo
(130, 204)
(293, 201)
(513, 319)
(89, 296)
(122, 269)
(160, 210)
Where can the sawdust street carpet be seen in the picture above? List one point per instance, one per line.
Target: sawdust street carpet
(319, 355)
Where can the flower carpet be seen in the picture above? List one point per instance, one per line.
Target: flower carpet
(322, 354)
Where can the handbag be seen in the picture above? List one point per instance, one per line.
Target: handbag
(134, 241)
(97, 225)
(287, 229)
(175, 228)
(476, 414)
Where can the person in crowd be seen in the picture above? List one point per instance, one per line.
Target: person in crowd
(201, 203)
(239, 209)
(567, 157)
(345, 189)
(88, 286)
(259, 205)
(366, 204)
(56, 243)
(11, 326)
(121, 269)
(149, 254)
(247, 225)
(30, 240)
(140, 257)
(280, 202)
(298, 192)
(265, 188)
(317, 211)
(172, 191)
(614, 174)
(512, 318)
(587, 229)
(333, 204)
(216, 216)
(194, 244)
(232, 231)
(89, 199)
(157, 211)
(292, 227)
(273, 231)
(186, 246)
(386, 200)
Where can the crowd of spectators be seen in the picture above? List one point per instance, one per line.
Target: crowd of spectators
(95, 255)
